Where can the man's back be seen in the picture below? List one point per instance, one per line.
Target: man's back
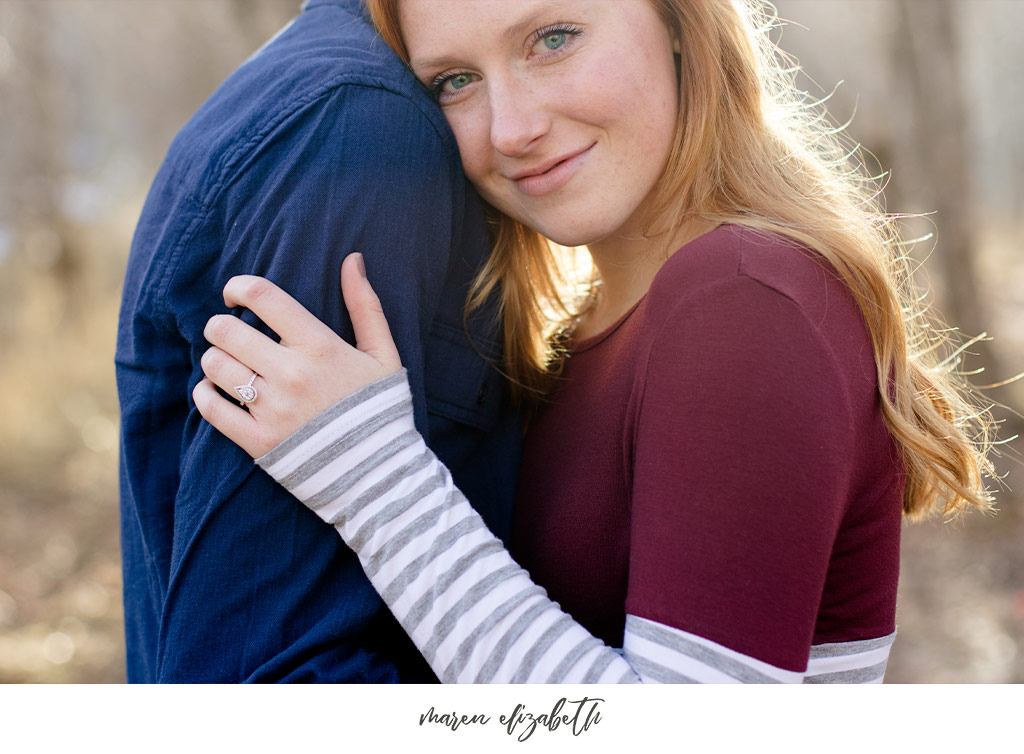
(320, 145)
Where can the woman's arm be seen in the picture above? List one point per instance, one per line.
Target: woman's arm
(360, 465)
(473, 612)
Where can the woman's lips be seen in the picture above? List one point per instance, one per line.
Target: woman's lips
(554, 177)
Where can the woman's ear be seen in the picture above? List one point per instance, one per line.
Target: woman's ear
(676, 47)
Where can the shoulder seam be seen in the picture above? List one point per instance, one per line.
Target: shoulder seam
(684, 300)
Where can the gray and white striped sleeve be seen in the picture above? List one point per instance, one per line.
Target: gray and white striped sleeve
(475, 615)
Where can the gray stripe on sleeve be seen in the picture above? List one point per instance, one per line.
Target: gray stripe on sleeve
(385, 485)
(343, 444)
(650, 669)
(320, 421)
(422, 523)
(465, 650)
(553, 633)
(416, 528)
(672, 641)
(392, 510)
(422, 605)
(562, 669)
(601, 663)
(472, 596)
(840, 648)
(341, 485)
(856, 675)
(440, 545)
(504, 645)
(629, 676)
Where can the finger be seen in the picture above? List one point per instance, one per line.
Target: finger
(282, 313)
(373, 336)
(229, 374)
(230, 420)
(243, 342)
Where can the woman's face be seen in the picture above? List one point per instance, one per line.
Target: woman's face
(564, 110)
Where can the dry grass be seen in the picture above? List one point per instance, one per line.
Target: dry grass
(60, 579)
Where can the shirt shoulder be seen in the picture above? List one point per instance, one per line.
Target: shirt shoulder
(734, 258)
(732, 251)
(329, 61)
(323, 119)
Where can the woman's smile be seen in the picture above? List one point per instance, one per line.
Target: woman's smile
(552, 175)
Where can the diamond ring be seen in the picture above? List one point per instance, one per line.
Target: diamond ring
(247, 393)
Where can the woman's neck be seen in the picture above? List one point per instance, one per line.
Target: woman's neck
(627, 267)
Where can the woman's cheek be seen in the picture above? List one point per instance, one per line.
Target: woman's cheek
(472, 136)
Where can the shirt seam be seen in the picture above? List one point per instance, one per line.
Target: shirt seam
(736, 275)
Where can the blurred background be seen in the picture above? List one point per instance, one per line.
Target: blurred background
(92, 93)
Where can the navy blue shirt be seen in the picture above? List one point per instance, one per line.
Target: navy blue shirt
(320, 145)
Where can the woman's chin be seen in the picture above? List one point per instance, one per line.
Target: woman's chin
(555, 224)
(565, 235)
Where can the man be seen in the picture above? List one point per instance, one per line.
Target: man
(320, 145)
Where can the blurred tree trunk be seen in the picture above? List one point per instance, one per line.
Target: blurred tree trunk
(926, 49)
(49, 239)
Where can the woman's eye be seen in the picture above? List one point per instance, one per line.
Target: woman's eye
(446, 86)
(558, 38)
(459, 80)
(555, 39)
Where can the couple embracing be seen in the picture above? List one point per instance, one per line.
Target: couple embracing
(447, 467)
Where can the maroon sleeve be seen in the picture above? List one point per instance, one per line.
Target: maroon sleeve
(741, 472)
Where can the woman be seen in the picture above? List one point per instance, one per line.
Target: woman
(712, 489)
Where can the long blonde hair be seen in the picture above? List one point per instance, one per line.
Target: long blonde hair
(748, 150)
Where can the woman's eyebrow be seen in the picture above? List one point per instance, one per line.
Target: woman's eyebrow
(527, 23)
(420, 67)
(512, 32)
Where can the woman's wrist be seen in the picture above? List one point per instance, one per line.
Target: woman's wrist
(316, 463)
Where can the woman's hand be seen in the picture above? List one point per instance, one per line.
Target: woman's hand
(295, 380)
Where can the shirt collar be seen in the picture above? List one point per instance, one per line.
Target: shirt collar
(345, 3)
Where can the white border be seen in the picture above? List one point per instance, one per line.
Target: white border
(361, 718)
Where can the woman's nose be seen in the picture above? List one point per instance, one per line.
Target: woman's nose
(518, 117)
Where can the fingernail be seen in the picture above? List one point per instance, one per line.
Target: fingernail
(360, 265)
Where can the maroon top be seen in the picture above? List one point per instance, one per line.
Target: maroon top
(717, 461)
